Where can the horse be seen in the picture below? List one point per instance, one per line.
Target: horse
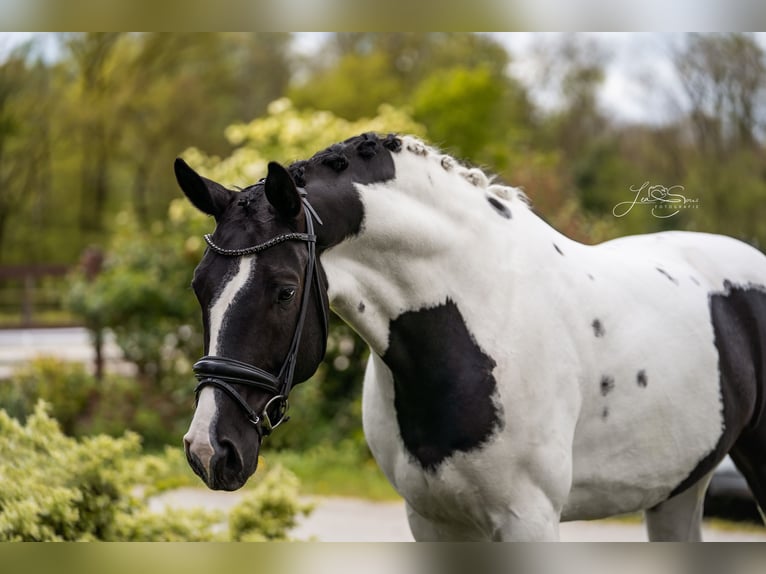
(517, 378)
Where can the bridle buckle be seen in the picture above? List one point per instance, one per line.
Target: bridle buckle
(267, 426)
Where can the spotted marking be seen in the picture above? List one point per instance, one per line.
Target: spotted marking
(666, 274)
(500, 207)
(607, 385)
(598, 328)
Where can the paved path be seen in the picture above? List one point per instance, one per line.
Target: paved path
(69, 344)
(354, 520)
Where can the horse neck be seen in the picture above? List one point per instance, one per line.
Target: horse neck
(427, 236)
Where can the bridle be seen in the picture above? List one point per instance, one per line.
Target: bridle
(222, 372)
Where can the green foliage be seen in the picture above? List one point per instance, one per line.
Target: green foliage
(56, 488)
(337, 88)
(64, 385)
(460, 106)
(343, 468)
(96, 129)
(84, 406)
(286, 134)
(268, 511)
(138, 295)
(143, 297)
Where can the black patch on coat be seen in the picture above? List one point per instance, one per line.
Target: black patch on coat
(598, 328)
(607, 385)
(361, 307)
(641, 379)
(738, 315)
(666, 274)
(330, 178)
(444, 384)
(501, 208)
(556, 247)
(605, 413)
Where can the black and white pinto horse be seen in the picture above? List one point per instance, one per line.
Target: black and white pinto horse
(517, 378)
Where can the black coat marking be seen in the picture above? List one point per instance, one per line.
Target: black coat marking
(557, 248)
(330, 177)
(607, 385)
(738, 315)
(361, 307)
(444, 384)
(666, 274)
(501, 208)
(641, 379)
(598, 328)
(605, 413)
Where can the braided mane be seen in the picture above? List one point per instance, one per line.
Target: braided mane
(338, 156)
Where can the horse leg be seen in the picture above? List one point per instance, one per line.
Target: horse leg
(532, 518)
(679, 518)
(426, 530)
(749, 455)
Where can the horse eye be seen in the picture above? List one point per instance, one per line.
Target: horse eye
(286, 294)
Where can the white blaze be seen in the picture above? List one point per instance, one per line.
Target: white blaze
(198, 438)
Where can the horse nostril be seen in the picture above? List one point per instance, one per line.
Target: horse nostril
(230, 456)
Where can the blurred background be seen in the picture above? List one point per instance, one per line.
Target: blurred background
(97, 248)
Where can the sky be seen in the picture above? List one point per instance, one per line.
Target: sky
(640, 84)
(639, 72)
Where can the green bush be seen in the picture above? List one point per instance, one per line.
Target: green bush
(269, 510)
(57, 488)
(65, 385)
(84, 406)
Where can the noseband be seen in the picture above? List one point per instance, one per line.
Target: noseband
(222, 373)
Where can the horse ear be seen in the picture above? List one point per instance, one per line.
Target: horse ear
(206, 195)
(281, 191)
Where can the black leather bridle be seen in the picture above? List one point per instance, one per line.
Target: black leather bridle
(222, 373)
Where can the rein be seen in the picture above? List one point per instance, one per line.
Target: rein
(222, 372)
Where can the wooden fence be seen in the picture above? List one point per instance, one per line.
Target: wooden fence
(32, 296)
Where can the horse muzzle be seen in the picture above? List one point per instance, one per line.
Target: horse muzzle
(219, 462)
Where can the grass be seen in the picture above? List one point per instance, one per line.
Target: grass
(326, 471)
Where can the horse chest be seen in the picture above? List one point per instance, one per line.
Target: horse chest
(443, 385)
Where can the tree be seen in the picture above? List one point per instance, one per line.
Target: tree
(91, 53)
(24, 135)
(390, 66)
(724, 78)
